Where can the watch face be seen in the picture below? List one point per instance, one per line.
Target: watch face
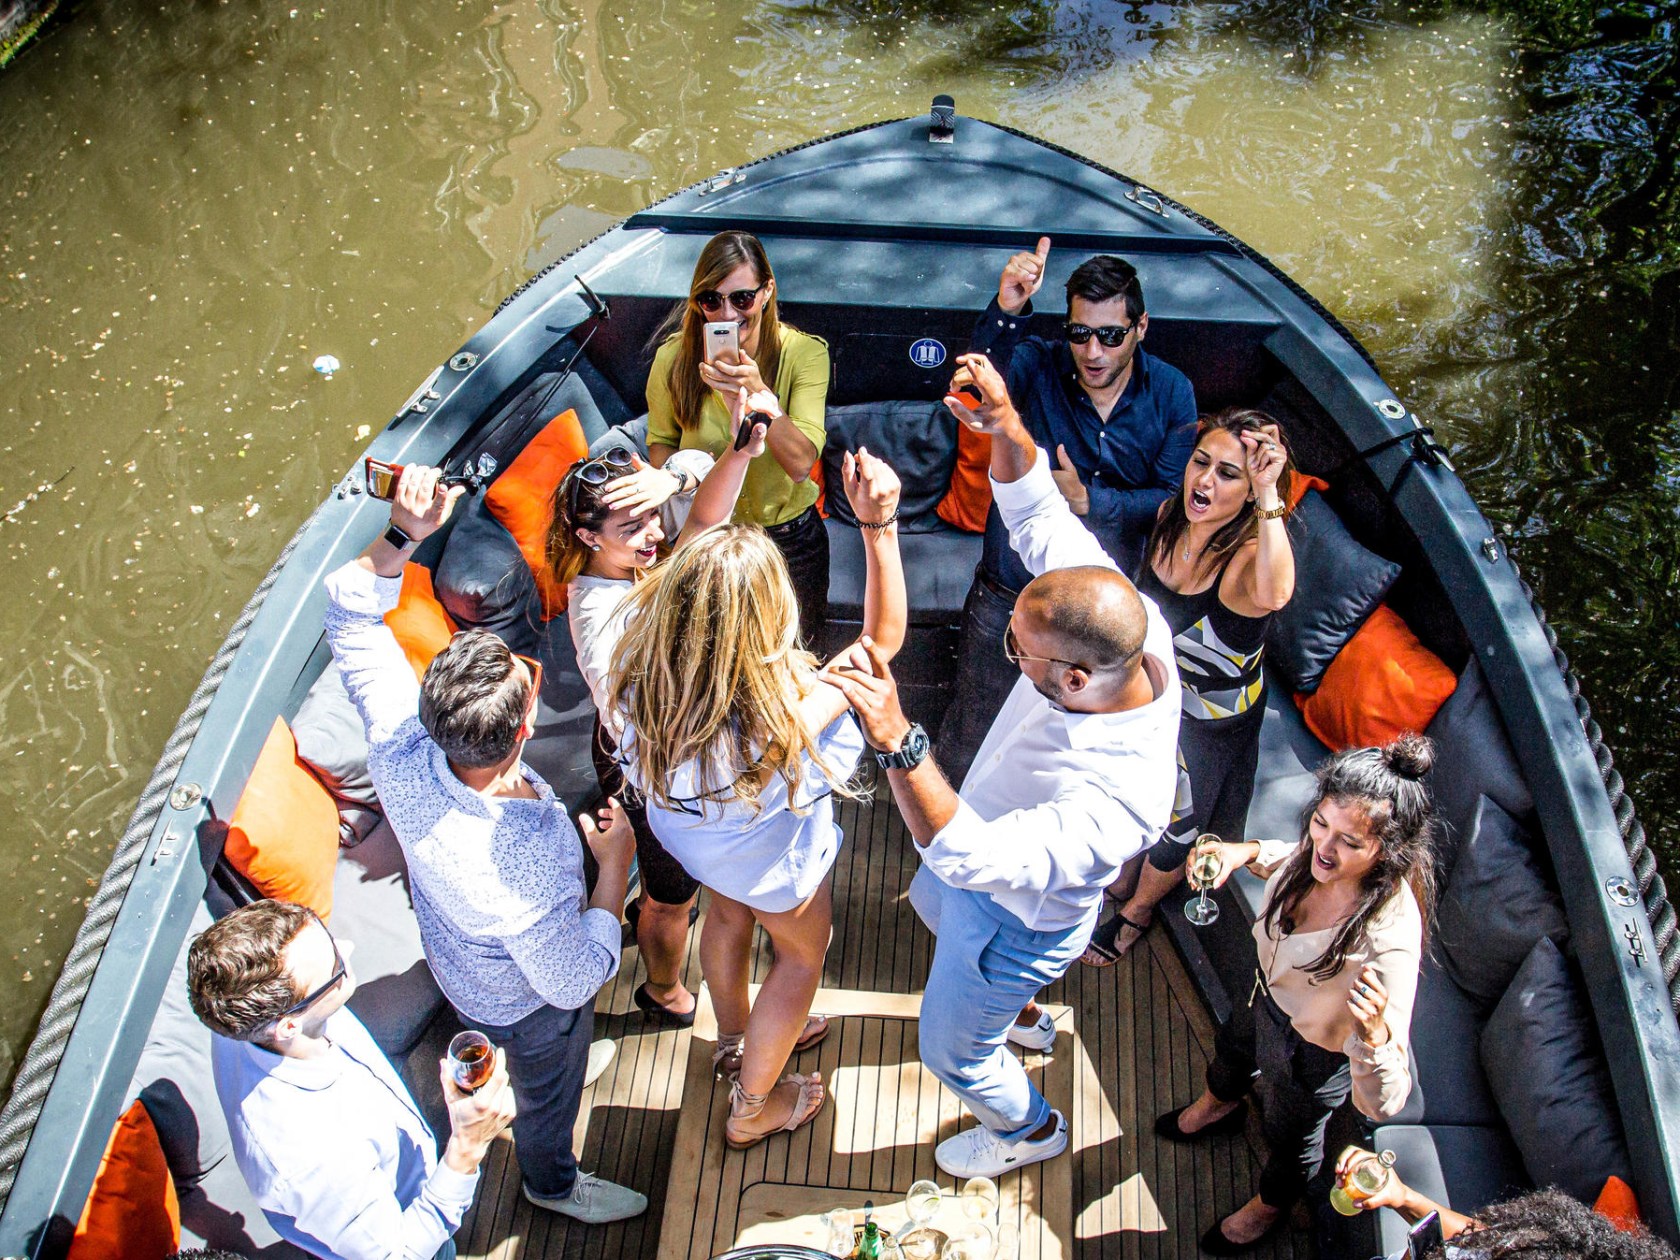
(915, 742)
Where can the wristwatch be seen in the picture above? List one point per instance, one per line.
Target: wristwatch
(912, 750)
(397, 538)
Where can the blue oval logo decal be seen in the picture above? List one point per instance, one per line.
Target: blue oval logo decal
(927, 353)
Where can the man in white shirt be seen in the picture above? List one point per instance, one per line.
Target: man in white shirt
(517, 944)
(1076, 775)
(326, 1135)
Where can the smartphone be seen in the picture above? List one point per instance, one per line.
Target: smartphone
(721, 337)
(1425, 1238)
(743, 435)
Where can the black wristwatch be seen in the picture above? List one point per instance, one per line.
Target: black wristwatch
(912, 750)
(397, 538)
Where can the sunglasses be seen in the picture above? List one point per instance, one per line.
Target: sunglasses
(1110, 335)
(1012, 650)
(743, 300)
(338, 974)
(535, 666)
(606, 467)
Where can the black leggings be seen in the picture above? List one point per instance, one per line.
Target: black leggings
(803, 542)
(663, 877)
(1299, 1085)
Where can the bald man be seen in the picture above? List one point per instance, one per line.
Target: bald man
(1075, 776)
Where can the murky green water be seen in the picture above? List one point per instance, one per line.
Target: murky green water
(195, 201)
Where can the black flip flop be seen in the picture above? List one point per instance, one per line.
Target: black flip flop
(679, 1019)
(1107, 936)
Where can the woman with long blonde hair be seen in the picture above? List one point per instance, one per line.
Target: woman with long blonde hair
(687, 401)
(738, 746)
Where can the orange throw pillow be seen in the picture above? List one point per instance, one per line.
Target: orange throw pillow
(520, 497)
(970, 497)
(132, 1212)
(1382, 682)
(421, 626)
(1617, 1204)
(284, 833)
(1300, 483)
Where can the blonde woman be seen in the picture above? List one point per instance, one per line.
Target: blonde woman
(738, 746)
(687, 405)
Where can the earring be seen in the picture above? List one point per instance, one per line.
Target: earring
(594, 546)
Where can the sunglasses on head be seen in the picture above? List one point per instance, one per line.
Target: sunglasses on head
(338, 973)
(711, 301)
(1110, 335)
(608, 466)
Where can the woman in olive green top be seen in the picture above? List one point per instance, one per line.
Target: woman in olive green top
(732, 282)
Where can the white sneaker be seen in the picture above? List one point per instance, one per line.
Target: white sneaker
(1039, 1036)
(593, 1201)
(600, 1055)
(976, 1153)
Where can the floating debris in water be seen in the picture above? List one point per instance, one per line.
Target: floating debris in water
(326, 365)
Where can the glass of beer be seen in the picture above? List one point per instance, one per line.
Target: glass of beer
(472, 1061)
(1204, 867)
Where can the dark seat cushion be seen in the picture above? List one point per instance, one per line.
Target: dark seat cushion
(1480, 1164)
(1337, 585)
(560, 750)
(918, 440)
(395, 996)
(938, 569)
(1473, 759)
(483, 582)
(1448, 1084)
(1544, 1063)
(1495, 907)
(1284, 780)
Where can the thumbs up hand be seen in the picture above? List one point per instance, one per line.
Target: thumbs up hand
(1022, 276)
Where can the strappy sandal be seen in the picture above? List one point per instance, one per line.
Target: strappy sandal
(1104, 949)
(745, 1106)
(726, 1059)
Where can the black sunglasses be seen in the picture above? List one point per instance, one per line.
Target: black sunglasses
(1110, 335)
(605, 467)
(339, 972)
(711, 301)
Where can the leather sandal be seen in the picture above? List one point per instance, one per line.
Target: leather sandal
(745, 1106)
(1104, 949)
(726, 1059)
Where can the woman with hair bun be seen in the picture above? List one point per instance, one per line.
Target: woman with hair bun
(1340, 938)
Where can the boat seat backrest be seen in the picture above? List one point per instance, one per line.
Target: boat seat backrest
(917, 439)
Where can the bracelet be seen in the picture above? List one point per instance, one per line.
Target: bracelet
(1271, 514)
(879, 524)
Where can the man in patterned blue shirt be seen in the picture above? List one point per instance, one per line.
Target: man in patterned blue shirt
(494, 864)
(1118, 425)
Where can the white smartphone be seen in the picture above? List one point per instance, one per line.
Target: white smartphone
(721, 337)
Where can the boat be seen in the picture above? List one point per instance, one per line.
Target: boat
(888, 240)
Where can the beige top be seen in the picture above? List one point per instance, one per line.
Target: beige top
(1392, 947)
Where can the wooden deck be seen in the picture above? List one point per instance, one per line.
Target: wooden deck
(1135, 1040)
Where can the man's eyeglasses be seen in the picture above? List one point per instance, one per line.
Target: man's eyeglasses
(1012, 650)
(609, 466)
(743, 300)
(1110, 335)
(338, 974)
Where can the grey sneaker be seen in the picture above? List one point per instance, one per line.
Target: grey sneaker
(593, 1201)
(600, 1055)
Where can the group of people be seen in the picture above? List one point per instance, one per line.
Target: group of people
(1098, 717)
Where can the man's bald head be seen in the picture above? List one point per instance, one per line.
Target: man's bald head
(1094, 615)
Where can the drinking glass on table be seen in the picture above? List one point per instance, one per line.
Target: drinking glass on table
(842, 1240)
(970, 1242)
(980, 1198)
(921, 1203)
(472, 1061)
(1205, 865)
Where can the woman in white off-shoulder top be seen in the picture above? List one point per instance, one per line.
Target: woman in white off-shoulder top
(1339, 938)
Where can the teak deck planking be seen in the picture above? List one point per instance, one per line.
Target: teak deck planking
(1138, 1040)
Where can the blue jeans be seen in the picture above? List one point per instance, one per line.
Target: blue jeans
(985, 678)
(447, 1251)
(987, 965)
(547, 1055)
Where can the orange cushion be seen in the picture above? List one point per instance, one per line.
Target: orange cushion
(970, 497)
(1300, 483)
(1617, 1204)
(1382, 682)
(284, 833)
(132, 1212)
(822, 489)
(520, 497)
(420, 625)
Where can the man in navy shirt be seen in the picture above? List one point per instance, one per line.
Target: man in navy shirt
(1119, 426)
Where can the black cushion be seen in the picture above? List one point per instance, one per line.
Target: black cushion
(560, 750)
(1337, 585)
(938, 569)
(1479, 1163)
(1495, 908)
(1448, 1084)
(917, 439)
(1473, 758)
(1543, 1060)
(483, 582)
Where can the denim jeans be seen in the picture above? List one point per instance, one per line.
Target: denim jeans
(547, 1055)
(803, 542)
(447, 1251)
(987, 965)
(985, 678)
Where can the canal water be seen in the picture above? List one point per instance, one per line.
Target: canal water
(198, 200)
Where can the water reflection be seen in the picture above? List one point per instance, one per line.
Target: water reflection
(196, 201)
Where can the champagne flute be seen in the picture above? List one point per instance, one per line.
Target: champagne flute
(1205, 865)
(472, 1061)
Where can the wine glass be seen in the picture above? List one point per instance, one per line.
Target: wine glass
(1205, 865)
(1008, 1242)
(472, 1061)
(980, 1198)
(922, 1203)
(970, 1242)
